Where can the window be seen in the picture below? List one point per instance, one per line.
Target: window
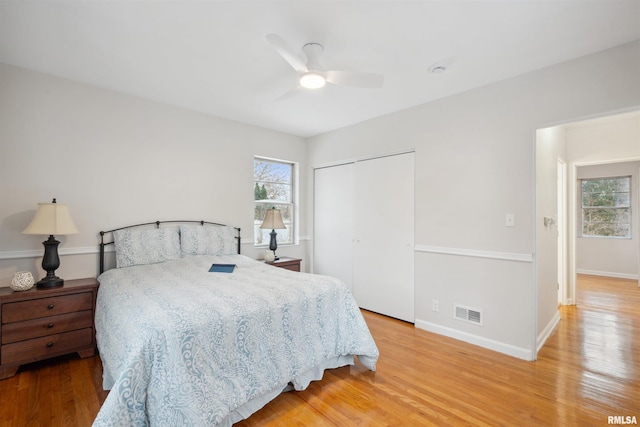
(606, 207)
(273, 187)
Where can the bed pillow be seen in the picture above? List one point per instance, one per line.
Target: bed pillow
(207, 240)
(150, 246)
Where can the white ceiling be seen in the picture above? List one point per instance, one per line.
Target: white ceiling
(212, 56)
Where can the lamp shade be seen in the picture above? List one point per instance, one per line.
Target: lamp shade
(51, 218)
(273, 220)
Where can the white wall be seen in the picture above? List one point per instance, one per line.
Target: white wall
(611, 257)
(118, 160)
(613, 138)
(474, 163)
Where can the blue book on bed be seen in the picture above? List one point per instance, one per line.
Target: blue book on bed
(222, 268)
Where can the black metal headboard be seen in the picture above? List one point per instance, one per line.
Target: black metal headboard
(103, 244)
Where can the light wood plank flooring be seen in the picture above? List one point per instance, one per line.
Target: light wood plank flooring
(588, 370)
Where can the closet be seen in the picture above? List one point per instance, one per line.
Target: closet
(364, 228)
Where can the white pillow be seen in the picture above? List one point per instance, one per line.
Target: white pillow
(207, 239)
(146, 246)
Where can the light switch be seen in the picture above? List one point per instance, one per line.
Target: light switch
(510, 220)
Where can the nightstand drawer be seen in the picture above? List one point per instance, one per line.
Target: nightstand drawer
(34, 349)
(287, 263)
(292, 267)
(44, 307)
(19, 331)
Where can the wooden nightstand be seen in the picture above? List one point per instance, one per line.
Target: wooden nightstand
(42, 323)
(292, 264)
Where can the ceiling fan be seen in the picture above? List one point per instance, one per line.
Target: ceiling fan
(313, 76)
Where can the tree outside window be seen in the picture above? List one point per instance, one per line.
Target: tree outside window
(273, 187)
(606, 207)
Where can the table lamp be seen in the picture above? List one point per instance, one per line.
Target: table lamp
(273, 220)
(51, 218)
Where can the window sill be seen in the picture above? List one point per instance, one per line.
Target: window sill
(606, 237)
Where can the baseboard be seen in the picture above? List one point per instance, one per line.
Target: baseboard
(548, 330)
(608, 274)
(500, 347)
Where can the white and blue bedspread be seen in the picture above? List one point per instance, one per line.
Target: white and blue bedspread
(184, 347)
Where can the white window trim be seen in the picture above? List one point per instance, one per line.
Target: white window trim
(295, 196)
(582, 208)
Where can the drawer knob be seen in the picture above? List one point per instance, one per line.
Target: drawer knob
(50, 325)
(50, 306)
(49, 344)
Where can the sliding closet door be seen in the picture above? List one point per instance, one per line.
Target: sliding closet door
(383, 257)
(332, 219)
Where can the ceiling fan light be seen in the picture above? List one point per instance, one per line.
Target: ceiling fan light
(312, 80)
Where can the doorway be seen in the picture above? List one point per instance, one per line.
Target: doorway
(608, 249)
(560, 150)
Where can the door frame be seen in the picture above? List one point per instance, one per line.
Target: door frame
(561, 225)
(573, 220)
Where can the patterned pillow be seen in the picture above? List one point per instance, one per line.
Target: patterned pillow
(151, 246)
(207, 240)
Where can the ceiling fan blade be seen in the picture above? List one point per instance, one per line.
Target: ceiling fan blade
(281, 47)
(355, 79)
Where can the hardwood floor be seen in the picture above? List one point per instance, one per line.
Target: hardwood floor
(588, 370)
(66, 391)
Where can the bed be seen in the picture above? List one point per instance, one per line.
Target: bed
(181, 345)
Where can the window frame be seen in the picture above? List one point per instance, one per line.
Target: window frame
(581, 219)
(292, 223)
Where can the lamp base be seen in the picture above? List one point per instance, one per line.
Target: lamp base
(273, 244)
(50, 282)
(50, 263)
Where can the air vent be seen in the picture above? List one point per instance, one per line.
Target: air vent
(467, 314)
